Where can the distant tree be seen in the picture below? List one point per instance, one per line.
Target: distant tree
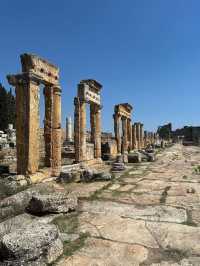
(11, 118)
(7, 108)
(165, 131)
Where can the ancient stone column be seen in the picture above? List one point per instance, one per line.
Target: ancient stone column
(48, 98)
(95, 121)
(138, 136)
(80, 130)
(69, 129)
(141, 135)
(27, 123)
(117, 131)
(92, 122)
(124, 135)
(97, 146)
(129, 133)
(145, 139)
(134, 138)
(56, 131)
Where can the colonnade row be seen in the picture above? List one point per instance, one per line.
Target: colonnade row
(37, 71)
(131, 136)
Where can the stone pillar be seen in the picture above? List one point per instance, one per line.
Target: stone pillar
(48, 98)
(27, 123)
(95, 121)
(80, 130)
(145, 139)
(141, 135)
(138, 136)
(56, 131)
(69, 129)
(92, 122)
(117, 131)
(134, 137)
(129, 132)
(98, 133)
(124, 135)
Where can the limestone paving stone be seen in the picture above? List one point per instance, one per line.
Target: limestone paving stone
(115, 228)
(100, 252)
(125, 188)
(114, 187)
(171, 236)
(149, 213)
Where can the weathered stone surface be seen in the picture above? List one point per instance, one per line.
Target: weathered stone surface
(148, 213)
(134, 157)
(17, 203)
(35, 242)
(118, 167)
(91, 175)
(36, 71)
(53, 203)
(115, 228)
(88, 92)
(114, 187)
(15, 223)
(183, 238)
(122, 112)
(100, 252)
(66, 177)
(126, 188)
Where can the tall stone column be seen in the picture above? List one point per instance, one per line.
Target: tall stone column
(69, 129)
(92, 122)
(129, 132)
(134, 137)
(95, 121)
(80, 130)
(48, 98)
(141, 135)
(27, 123)
(138, 135)
(145, 139)
(117, 131)
(98, 133)
(124, 136)
(56, 131)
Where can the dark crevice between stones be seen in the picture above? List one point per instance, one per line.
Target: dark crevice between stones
(164, 255)
(164, 195)
(189, 220)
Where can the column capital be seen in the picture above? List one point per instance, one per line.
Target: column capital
(22, 79)
(77, 101)
(56, 89)
(123, 118)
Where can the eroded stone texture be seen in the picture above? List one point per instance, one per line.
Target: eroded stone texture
(36, 71)
(122, 112)
(27, 124)
(100, 252)
(138, 135)
(134, 137)
(35, 242)
(88, 92)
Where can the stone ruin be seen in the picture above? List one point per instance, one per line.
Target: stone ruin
(138, 136)
(37, 71)
(8, 138)
(88, 92)
(85, 148)
(122, 113)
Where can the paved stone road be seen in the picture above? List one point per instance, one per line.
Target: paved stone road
(148, 216)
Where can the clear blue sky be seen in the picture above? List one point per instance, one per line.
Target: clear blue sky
(145, 52)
